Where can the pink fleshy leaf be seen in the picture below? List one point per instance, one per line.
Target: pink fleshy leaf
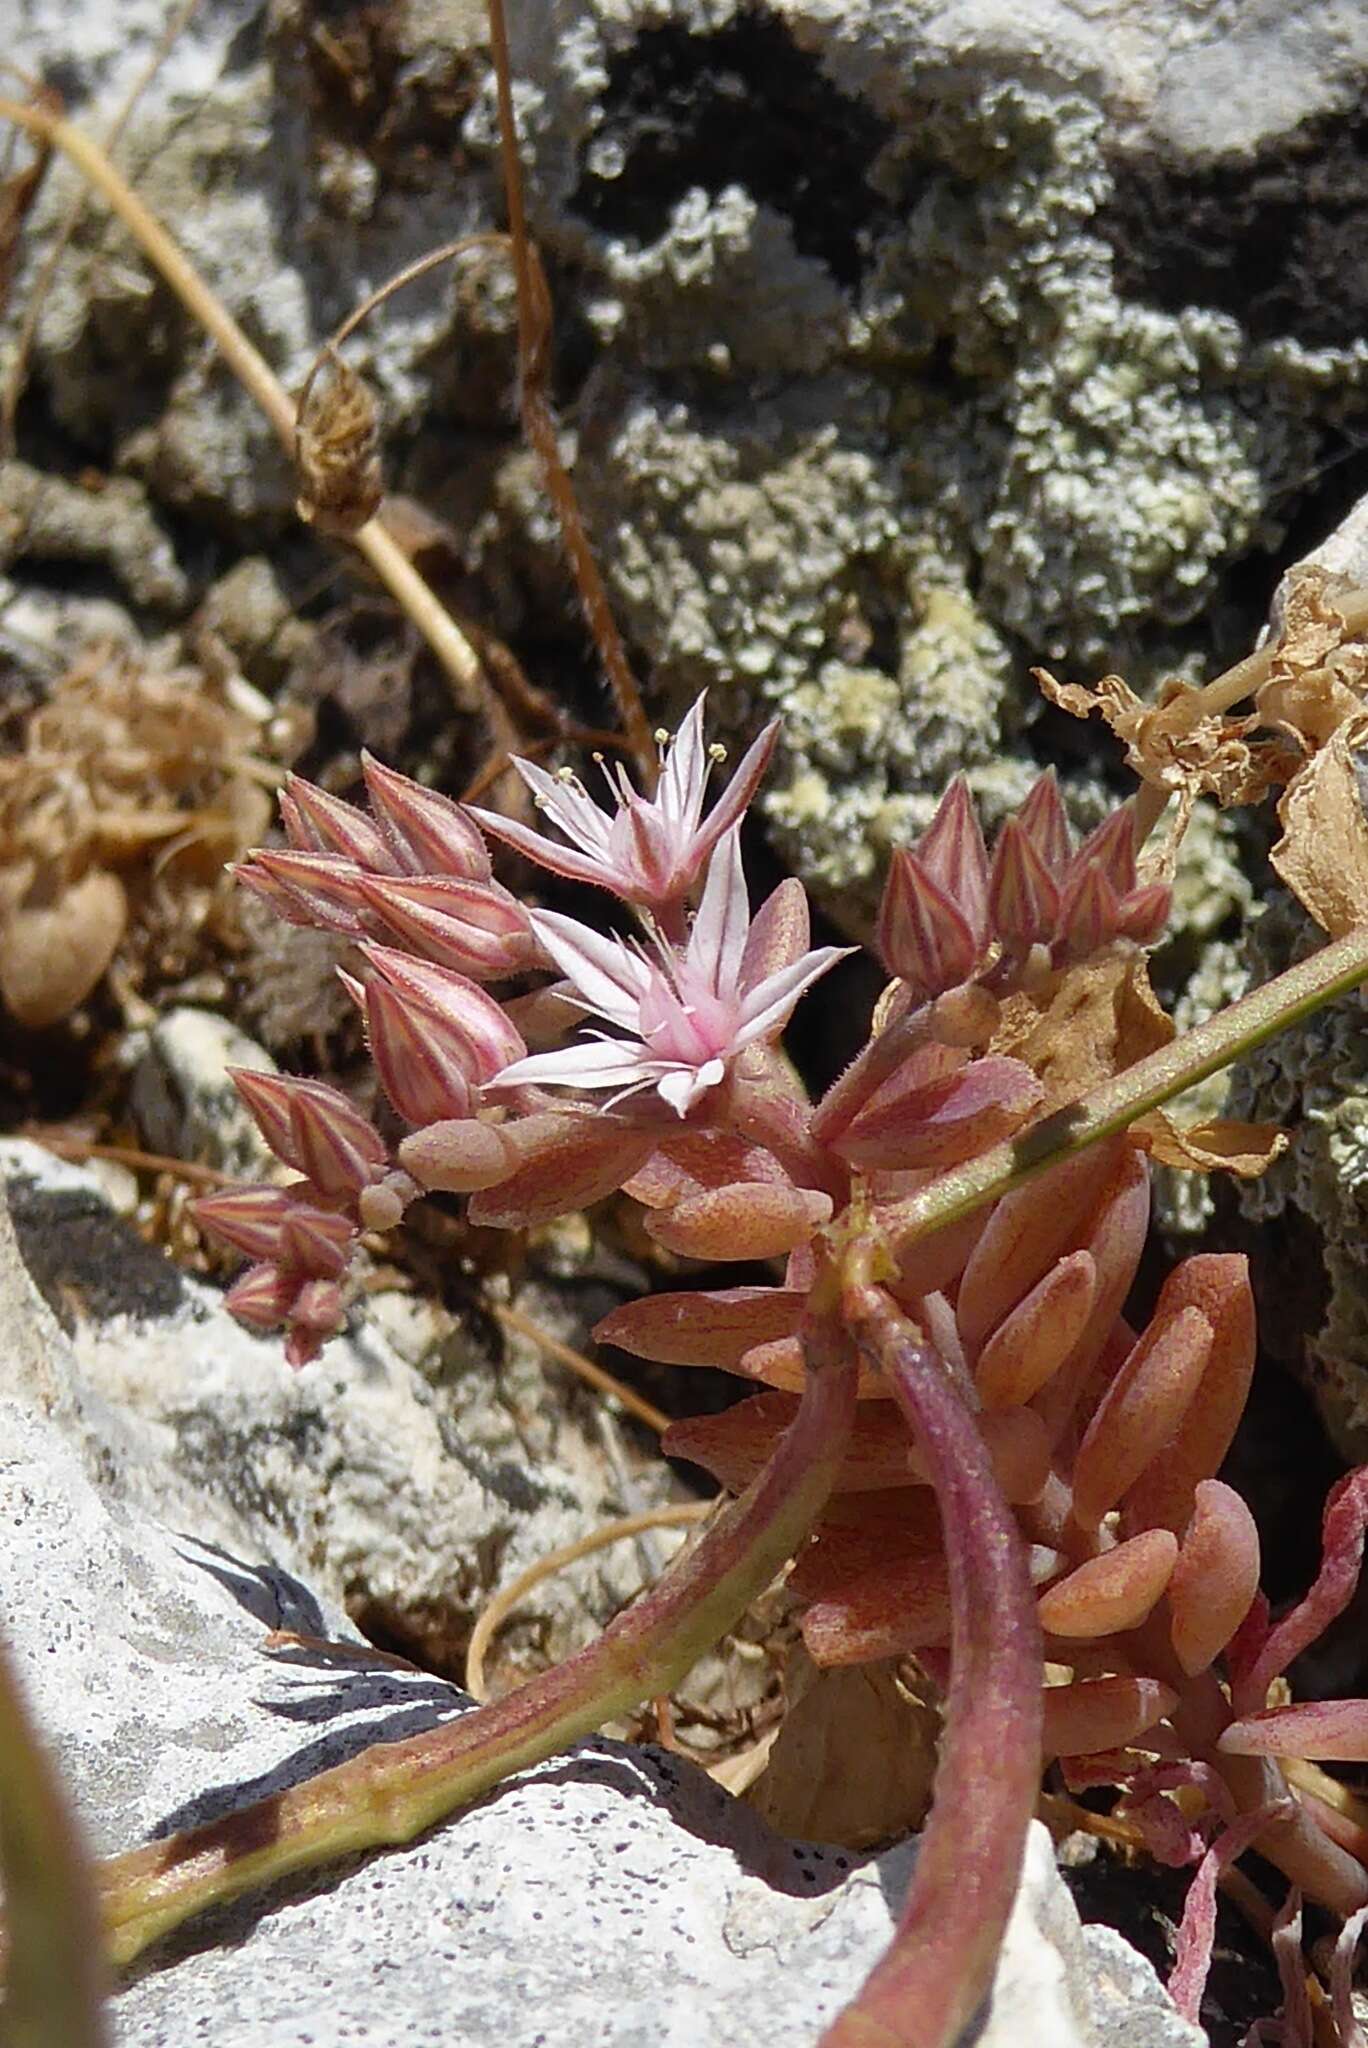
(1091, 1714)
(746, 1221)
(568, 1162)
(1142, 1410)
(1039, 1334)
(1216, 1576)
(1113, 1591)
(1323, 1730)
(714, 1326)
(941, 1122)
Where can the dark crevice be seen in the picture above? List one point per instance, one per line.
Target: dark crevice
(1279, 240)
(744, 106)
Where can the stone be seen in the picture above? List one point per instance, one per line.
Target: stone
(186, 1106)
(991, 333)
(408, 1473)
(613, 1893)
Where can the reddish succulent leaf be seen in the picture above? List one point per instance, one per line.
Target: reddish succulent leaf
(1093, 1714)
(569, 1162)
(460, 1155)
(1333, 1730)
(1112, 1592)
(748, 1220)
(780, 1364)
(685, 1162)
(1039, 1334)
(1026, 1233)
(1142, 1410)
(713, 1326)
(1114, 1238)
(734, 1445)
(1215, 1578)
(1218, 1285)
(938, 1123)
(860, 1532)
(897, 1607)
(934, 1262)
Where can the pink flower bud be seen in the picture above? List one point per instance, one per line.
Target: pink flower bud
(952, 854)
(323, 888)
(315, 1241)
(488, 1038)
(339, 1149)
(1041, 817)
(1089, 914)
(316, 1314)
(477, 928)
(1145, 913)
(429, 834)
(319, 823)
(262, 1297)
(1112, 846)
(249, 1219)
(1023, 896)
(923, 937)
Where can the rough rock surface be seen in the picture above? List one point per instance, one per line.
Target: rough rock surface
(407, 1474)
(903, 343)
(613, 1895)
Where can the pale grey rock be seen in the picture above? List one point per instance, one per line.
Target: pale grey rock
(1130, 2007)
(932, 357)
(406, 1473)
(45, 519)
(612, 1895)
(186, 1105)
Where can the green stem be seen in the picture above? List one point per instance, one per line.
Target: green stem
(53, 1976)
(1118, 1103)
(394, 1791)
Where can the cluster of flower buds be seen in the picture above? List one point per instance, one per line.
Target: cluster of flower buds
(301, 1236)
(949, 912)
(416, 874)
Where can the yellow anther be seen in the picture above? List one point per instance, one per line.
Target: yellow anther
(661, 736)
(717, 752)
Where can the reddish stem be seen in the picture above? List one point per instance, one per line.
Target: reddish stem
(940, 1967)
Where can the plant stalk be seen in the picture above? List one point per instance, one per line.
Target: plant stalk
(373, 540)
(940, 1967)
(395, 1791)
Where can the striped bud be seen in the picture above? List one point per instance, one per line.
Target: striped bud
(951, 853)
(316, 822)
(477, 928)
(1023, 896)
(249, 1219)
(1041, 817)
(923, 937)
(428, 833)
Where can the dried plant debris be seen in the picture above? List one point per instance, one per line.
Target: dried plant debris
(120, 803)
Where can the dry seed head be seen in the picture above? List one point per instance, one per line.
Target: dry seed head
(337, 453)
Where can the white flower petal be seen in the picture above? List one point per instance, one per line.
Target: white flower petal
(589, 1063)
(548, 853)
(685, 774)
(681, 1087)
(718, 939)
(569, 806)
(770, 1004)
(606, 975)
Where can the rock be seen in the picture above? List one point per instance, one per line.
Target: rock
(613, 1893)
(186, 1106)
(45, 519)
(407, 1474)
(987, 334)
